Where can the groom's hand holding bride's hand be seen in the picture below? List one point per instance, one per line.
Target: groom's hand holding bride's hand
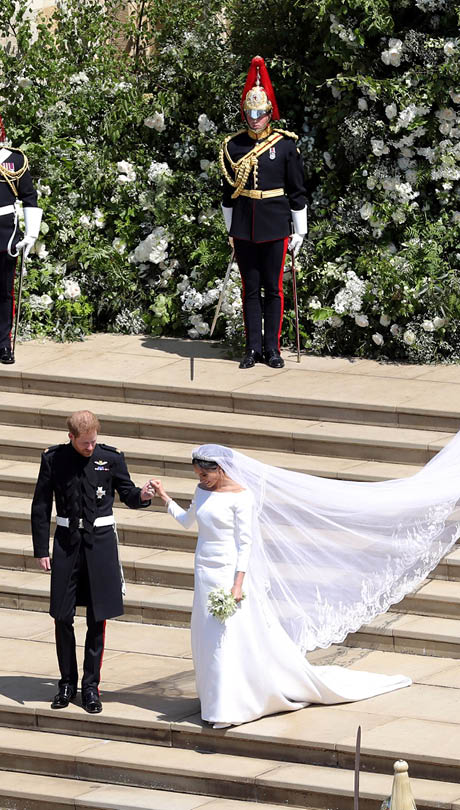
(147, 492)
(157, 488)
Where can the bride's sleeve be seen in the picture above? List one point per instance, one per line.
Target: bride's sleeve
(244, 507)
(186, 517)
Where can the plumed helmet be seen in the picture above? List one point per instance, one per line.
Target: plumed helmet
(258, 95)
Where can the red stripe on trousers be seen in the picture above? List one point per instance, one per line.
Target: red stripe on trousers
(280, 288)
(14, 299)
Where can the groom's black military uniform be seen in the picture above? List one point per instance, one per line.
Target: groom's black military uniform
(85, 566)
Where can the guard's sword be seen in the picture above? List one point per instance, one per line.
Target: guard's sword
(18, 304)
(296, 307)
(357, 763)
(222, 292)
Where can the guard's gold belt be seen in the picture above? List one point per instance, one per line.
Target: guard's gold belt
(255, 194)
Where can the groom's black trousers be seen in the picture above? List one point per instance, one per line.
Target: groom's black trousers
(7, 273)
(65, 636)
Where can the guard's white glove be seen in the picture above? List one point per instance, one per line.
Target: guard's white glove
(295, 243)
(32, 221)
(299, 221)
(228, 214)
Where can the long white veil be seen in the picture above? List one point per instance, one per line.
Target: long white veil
(331, 555)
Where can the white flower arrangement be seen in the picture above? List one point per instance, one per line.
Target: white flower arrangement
(156, 121)
(222, 604)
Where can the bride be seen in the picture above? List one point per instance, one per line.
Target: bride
(308, 560)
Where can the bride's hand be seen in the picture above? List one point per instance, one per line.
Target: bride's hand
(158, 489)
(237, 593)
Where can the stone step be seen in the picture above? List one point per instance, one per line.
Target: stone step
(434, 598)
(217, 774)
(152, 604)
(136, 527)
(18, 479)
(315, 437)
(173, 459)
(321, 787)
(332, 389)
(156, 604)
(29, 791)
(409, 633)
(168, 567)
(148, 697)
(173, 569)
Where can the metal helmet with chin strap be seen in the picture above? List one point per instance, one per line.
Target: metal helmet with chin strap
(258, 97)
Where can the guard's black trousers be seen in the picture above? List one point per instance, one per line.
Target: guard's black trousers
(7, 271)
(65, 636)
(261, 265)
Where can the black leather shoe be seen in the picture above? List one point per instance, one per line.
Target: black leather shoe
(6, 355)
(64, 696)
(251, 358)
(91, 701)
(274, 359)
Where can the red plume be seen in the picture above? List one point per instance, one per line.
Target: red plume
(258, 62)
(2, 131)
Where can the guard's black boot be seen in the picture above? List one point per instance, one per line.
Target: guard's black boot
(251, 358)
(6, 355)
(91, 701)
(64, 696)
(274, 359)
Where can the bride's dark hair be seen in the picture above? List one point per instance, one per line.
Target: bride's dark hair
(204, 464)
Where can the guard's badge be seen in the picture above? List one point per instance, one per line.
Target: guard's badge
(100, 492)
(272, 153)
(101, 463)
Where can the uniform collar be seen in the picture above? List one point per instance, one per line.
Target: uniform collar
(260, 136)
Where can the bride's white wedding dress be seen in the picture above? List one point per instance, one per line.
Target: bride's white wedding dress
(250, 667)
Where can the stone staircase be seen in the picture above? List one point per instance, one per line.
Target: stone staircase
(149, 748)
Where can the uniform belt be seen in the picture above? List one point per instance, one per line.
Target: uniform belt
(106, 520)
(6, 209)
(256, 194)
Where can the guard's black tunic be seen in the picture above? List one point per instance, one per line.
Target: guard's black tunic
(28, 195)
(83, 488)
(278, 167)
(260, 228)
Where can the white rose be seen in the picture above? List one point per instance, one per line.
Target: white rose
(395, 329)
(455, 96)
(428, 326)
(409, 337)
(371, 183)
(204, 165)
(392, 56)
(378, 339)
(438, 323)
(328, 160)
(366, 210)
(85, 221)
(335, 321)
(391, 111)
(336, 91)
(156, 121)
(361, 320)
(385, 320)
(119, 245)
(449, 48)
(193, 334)
(205, 124)
(398, 217)
(362, 104)
(24, 82)
(378, 147)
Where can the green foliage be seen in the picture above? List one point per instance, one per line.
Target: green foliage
(121, 107)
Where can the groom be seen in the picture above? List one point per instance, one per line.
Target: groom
(82, 476)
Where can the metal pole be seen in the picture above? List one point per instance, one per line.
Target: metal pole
(18, 305)
(357, 764)
(296, 307)
(222, 292)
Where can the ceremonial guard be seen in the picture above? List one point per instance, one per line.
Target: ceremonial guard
(15, 184)
(264, 207)
(82, 476)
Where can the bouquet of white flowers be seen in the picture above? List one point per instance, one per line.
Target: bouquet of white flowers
(222, 604)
